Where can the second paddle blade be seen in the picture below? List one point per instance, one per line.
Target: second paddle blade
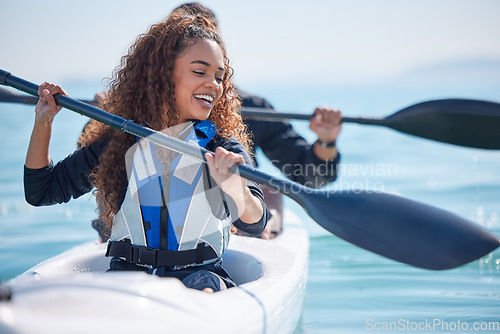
(470, 123)
(400, 229)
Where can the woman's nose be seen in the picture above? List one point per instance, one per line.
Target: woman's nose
(212, 83)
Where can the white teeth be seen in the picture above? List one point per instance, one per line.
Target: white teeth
(208, 98)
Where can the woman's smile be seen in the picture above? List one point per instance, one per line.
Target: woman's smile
(205, 100)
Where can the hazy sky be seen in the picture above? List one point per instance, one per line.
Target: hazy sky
(303, 42)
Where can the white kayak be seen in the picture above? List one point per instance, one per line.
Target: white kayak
(72, 293)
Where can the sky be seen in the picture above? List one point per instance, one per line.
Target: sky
(269, 42)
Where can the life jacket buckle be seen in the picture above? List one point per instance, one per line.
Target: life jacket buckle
(144, 255)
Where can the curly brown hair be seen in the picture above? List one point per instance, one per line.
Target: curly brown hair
(142, 89)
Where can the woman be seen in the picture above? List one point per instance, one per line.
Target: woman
(168, 216)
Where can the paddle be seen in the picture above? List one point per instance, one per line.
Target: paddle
(400, 229)
(8, 96)
(471, 123)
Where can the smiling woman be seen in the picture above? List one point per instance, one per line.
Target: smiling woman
(172, 212)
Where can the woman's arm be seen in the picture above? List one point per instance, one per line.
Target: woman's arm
(46, 109)
(44, 182)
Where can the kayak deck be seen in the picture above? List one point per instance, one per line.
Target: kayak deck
(71, 292)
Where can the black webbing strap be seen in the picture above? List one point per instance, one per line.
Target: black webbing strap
(160, 257)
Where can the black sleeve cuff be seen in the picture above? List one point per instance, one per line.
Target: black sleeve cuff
(255, 230)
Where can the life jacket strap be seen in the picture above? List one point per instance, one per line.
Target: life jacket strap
(159, 257)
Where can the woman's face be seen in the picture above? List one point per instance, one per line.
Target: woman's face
(198, 76)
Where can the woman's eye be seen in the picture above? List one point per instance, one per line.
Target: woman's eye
(199, 72)
(219, 80)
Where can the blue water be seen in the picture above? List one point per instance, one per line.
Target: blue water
(349, 290)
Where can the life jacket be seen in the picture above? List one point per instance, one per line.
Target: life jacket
(173, 213)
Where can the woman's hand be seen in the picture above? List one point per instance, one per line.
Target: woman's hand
(249, 207)
(46, 108)
(219, 164)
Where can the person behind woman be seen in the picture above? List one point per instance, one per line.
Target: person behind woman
(169, 215)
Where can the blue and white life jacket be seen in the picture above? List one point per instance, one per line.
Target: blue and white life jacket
(173, 213)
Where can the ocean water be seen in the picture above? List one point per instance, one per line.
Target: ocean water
(349, 290)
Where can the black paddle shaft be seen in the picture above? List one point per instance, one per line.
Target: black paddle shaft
(7, 96)
(464, 122)
(400, 229)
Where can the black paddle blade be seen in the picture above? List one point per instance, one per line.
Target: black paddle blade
(400, 229)
(470, 123)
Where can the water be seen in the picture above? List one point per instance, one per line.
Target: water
(349, 290)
